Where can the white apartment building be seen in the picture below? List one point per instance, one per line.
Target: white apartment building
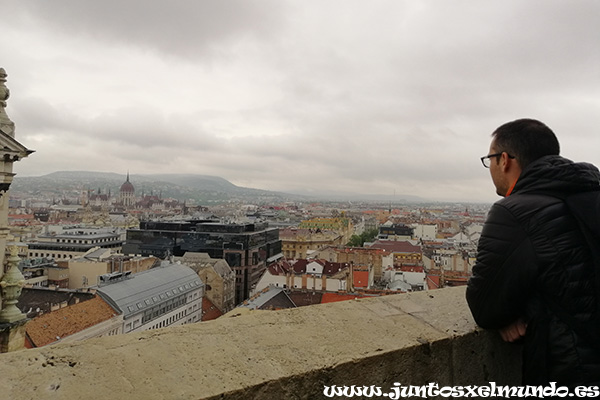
(165, 296)
(425, 232)
(73, 242)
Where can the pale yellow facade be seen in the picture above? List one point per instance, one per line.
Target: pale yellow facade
(84, 272)
(217, 276)
(297, 243)
(341, 225)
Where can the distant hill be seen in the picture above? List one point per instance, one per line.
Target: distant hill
(204, 189)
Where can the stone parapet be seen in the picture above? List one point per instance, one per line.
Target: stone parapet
(12, 335)
(414, 338)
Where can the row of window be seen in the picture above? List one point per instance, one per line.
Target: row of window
(161, 297)
(162, 309)
(88, 241)
(171, 320)
(50, 255)
(113, 332)
(411, 257)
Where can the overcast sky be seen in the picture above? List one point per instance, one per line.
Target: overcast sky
(372, 96)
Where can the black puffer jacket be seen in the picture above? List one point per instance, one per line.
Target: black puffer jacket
(533, 262)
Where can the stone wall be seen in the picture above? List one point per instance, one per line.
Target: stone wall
(414, 338)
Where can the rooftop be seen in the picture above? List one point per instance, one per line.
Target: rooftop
(146, 288)
(396, 246)
(56, 325)
(44, 299)
(270, 298)
(82, 234)
(305, 234)
(283, 266)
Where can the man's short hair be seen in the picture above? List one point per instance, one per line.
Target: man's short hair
(526, 140)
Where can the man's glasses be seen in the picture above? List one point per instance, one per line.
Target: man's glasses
(485, 160)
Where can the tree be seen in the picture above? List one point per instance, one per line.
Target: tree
(366, 236)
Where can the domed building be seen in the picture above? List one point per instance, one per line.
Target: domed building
(127, 193)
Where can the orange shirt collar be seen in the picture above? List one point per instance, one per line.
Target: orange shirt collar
(511, 188)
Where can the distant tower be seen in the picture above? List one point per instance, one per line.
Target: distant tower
(127, 193)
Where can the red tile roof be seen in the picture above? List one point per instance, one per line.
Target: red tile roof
(335, 297)
(361, 279)
(433, 281)
(209, 310)
(69, 320)
(21, 216)
(412, 268)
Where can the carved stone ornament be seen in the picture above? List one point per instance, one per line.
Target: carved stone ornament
(4, 92)
(6, 125)
(11, 286)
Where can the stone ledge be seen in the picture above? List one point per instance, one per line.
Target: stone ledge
(413, 338)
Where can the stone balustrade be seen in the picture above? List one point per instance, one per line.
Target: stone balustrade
(413, 338)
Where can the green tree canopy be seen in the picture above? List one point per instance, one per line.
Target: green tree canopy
(366, 236)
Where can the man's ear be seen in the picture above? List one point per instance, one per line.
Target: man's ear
(505, 161)
(510, 165)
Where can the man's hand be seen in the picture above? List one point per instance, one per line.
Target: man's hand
(514, 331)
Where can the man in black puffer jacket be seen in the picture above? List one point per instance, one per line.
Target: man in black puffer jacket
(535, 277)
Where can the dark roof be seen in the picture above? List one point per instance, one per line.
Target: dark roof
(278, 302)
(298, 267)
(305, 298)
(396, 246)
(127, 187)
(270, 298)
(43, 299)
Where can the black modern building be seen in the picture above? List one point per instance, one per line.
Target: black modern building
(391, 232)
(245, 247)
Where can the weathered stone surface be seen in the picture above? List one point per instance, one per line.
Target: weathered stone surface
(289, 354)
(12, 336)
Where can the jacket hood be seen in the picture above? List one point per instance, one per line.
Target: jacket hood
(555, 174)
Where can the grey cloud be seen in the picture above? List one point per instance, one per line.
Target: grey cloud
(147, 127)
(352, 95)
(37, 114)
(183, 28)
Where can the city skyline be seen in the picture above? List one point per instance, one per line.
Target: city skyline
(381, 97)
